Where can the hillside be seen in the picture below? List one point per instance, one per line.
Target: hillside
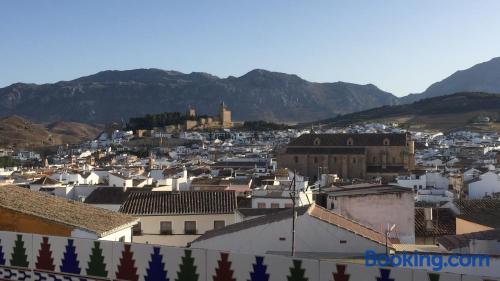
(460, 110)
(483, 77)
(21, 133)
(118, 95)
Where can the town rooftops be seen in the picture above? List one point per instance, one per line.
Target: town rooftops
(111, 195)
(71, 213)
(354, 140)
(314, 211)
(481, 211)
(452, 242)
(45, 181)
(443, 222)
(157, 203)
(368, 189)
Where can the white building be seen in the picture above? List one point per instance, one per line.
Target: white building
(377, 206)
(318, 232)
(177, 218)
(487, 184)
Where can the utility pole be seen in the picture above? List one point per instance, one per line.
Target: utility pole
(294, 212)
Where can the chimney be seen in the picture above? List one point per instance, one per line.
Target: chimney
(429, 226)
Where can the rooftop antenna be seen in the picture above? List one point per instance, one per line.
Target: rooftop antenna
(293, 196)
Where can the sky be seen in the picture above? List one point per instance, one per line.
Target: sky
(400, 46)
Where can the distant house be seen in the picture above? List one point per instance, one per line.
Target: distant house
(485, 186)
(22, 210)
(118, 180)
(319, 232)
(177, 218)
(377, 206)
(45, 184)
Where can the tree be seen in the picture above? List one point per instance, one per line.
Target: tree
(127, 269)
(296, 272)
(70, 263)
(2, 258)
(433, 277)
(156, 270)
(224, 272)
(19, 257)
(96, 265)
(45, 260)
(259, 270)
(187, 268)
(340, 275)
(384, 275)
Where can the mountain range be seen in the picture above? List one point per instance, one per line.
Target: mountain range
(466, 110)
(118, 95)
(115, 96)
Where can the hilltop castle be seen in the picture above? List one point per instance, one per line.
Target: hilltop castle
(208, 122)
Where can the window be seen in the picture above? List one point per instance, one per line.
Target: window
(121, 239)
(190, 227)
(261, 205)
(275, 205)
(166, 227)
(350, 141)
(334, 159)
(343, 241)
(354, 160)
(317, 141)
(374, 159)
(219, 224)
(315, 159)
(386, 141)
(296, 159)
(136, 229)
(288, 205)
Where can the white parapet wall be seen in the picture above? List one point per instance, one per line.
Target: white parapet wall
(35, 257)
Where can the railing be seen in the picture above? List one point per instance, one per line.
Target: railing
(35, 257)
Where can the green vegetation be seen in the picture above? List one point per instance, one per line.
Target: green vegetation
(156, 120)
(7, 162)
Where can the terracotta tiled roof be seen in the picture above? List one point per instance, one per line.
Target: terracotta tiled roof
(443, 222)
(481, 211)
(341, 139)
(451, 242)
(179, 203)
(326, 150)
(74, 214)
(111, 195)
(314, 211)
(45, 181)
(262, 220)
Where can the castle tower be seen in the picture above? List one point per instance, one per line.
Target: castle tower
(225, 116)
(191, 113)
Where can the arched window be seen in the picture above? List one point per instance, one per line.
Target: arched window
(317, 141)
(350, 141)
(386, 142)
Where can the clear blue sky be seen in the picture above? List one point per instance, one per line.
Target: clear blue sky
(400, 46)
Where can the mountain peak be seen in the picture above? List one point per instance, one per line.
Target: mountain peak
(482, 77)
